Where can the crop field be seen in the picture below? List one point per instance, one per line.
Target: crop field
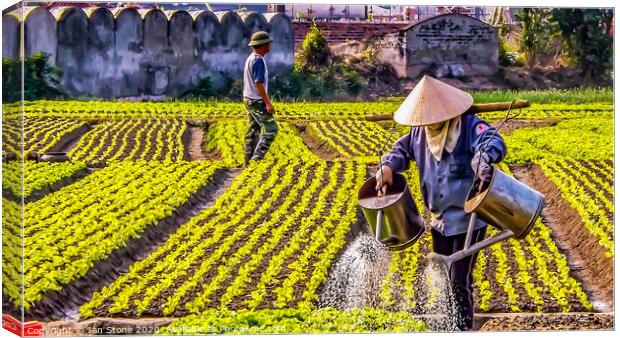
(136, 226)
(132, 139)
(40, 134)
(514, 276)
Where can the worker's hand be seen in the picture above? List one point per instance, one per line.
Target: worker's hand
(481, 164)
(384, 179)
(270, 109)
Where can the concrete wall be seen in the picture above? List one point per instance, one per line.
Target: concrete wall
(129, 52)
(282, 48)
(451, 45)
(10, 36)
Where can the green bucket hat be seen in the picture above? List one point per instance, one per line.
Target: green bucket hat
(260, 38)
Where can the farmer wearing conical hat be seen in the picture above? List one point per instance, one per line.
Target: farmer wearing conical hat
(445, 143)
(262, 127)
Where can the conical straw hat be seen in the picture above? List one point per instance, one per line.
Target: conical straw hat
(432, 101)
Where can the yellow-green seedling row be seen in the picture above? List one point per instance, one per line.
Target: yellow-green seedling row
(267, 242)
(12, 250)
(353, 139)
(278, 321)
(68, 231)
(226, 138)
(588, 187)
(132, 139)
(37, 175)
(586, 139)
(284, 111)
(40, 134)
(530, 275)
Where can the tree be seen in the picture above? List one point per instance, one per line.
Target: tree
(535, 32)
(587, 39)
(314, 51)
(506, 56)
(40, 79)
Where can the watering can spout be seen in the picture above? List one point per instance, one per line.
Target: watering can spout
(447, 261)
(506, 204)
(440, 260)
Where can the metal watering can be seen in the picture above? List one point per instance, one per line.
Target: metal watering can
(398, 223)
(505, 203)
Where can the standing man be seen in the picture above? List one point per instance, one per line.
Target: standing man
(262, 128)
(446, 146)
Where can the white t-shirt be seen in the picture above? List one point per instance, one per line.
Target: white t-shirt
(255, 70)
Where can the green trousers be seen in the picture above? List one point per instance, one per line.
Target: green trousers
(261, 132)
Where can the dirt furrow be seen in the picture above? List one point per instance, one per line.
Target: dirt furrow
(64, 304)
(585, 255)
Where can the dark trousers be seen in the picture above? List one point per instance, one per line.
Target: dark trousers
(261, 132)
(461, 271)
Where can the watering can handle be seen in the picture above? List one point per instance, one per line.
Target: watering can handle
(470, 230)
(379, 225)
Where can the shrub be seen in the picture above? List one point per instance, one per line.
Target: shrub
(40, 79)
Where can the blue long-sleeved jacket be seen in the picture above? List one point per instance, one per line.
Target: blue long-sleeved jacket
(445, 183)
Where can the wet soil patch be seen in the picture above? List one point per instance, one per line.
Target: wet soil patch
(285, 272)
(360, 226)
(586, 257)
(544, 321)
(60, 305)
(319, 147)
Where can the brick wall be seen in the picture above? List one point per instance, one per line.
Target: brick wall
(337, 32)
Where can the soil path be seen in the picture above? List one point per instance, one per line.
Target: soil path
(196, 143)
(543, 321)
(64, 304)
(318, 147)
(70, 140)
(585, 256)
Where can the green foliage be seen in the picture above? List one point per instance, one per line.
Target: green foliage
(203, 89)
(314, 52)
(317, 75)
(326, 320)
(39, 80)
(370, 54)
(354, 82)
(535, 33)
(587, 38)
(506, 56)
(287, 87)
(567, 96)
(593, 136)
(234, 88)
